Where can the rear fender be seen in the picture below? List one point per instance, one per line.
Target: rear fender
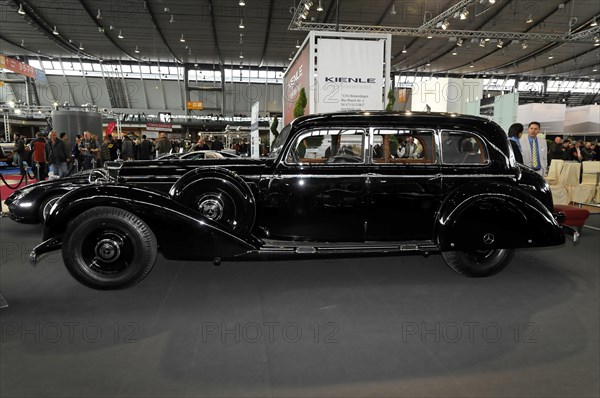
(494, 216)
(181, 232)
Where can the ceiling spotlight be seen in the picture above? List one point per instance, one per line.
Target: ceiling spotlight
(99, 15)
(182, 39)
(524, 45)
(393, 12)
(482, 43)
(594, 22)
(550, 56)
(297, 43)
(529, 19)
(471, 66)
(428, 63)
(596, 41)
(319, 7)
(464, 13)
(241, 55)
(308, 4)
(22, 42)
(290, 57)
(55, 31)
(595, 69)
(242, 3)
(304, 14)
(500, 44)
(455, 52)
(459, 42)
(137, 50)
(81, 47)
(445, 24)
(404, 50)
(22, 11)
(120, 36)
(241, 23)
(172, 20)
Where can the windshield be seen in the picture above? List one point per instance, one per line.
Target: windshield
(279, 142)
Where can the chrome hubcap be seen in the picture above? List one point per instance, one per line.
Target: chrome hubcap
(108, 250)
(211, 208)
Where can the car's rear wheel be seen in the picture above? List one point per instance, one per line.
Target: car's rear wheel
(478, 263)
(109, 248)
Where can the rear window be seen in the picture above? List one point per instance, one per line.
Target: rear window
(461, 147)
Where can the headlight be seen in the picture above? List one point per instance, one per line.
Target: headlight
(21, 192)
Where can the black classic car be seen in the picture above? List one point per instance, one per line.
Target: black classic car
(334, 184)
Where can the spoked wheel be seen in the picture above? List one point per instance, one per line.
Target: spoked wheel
(109, 248)
(478, 263)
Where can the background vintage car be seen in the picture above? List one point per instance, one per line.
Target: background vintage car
(334, 184)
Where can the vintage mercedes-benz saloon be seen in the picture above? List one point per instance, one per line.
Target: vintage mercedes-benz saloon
(334, 184)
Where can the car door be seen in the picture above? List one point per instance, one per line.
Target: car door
(318, 191)
(404, 184)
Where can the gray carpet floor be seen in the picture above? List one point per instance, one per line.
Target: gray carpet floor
(384, 326)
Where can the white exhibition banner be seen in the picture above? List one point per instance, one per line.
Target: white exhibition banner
(254, 137)
(350, 75)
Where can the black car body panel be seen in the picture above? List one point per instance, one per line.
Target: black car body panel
(338, 183)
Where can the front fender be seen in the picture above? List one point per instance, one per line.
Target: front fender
(494, 216)
(181, 232)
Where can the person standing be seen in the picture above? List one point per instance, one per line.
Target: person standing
(163, 146)
(515, 131)
(57, 155)
(127, 148)
(217, 145)
(145, 149)
(535, 149)
(89, 150)
(40, 157)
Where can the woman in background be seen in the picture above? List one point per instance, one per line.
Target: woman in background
(514, 134)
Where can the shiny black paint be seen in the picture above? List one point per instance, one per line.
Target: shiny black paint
(436, 205)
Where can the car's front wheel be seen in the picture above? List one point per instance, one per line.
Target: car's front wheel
(108, 248)
(478, 263)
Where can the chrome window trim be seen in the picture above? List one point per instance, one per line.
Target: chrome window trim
(479, 136)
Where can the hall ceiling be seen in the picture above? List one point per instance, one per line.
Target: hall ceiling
(211, 32)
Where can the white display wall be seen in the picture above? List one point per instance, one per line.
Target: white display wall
(582, 120)
(550, 116)
(445, 95)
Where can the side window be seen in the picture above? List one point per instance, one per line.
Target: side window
(459, 147)
(331, 146)
(403, 146)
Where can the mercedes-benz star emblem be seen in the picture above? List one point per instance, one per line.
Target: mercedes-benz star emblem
(488, 238)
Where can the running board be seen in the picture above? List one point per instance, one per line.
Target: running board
(291, 247)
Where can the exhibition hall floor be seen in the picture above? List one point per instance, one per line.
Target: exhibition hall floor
(383, 326)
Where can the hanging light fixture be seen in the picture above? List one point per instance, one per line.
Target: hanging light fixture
(99, 15)
(120, 36)
(21, 10)
(551, 56)
(459, 42)
(500, 44)
(445, 24)
(241, 23)
(241, 54)
(524, 45)
(290, 57)
(404, 50)
(481, 43)
(22, 42)
(172, 20)
(297, 43)
(455, 52)
(529, 19)
(137, 51)
(81, 47)
(241, 38)
(594, 22)
(182, 39)
(242, 3)
(55, 31)
(393, 12)
(429, 36)
(320, 7)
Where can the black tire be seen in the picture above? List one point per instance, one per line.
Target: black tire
(478, 263)
(108, 248)
(221, 201)
(46, 205)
